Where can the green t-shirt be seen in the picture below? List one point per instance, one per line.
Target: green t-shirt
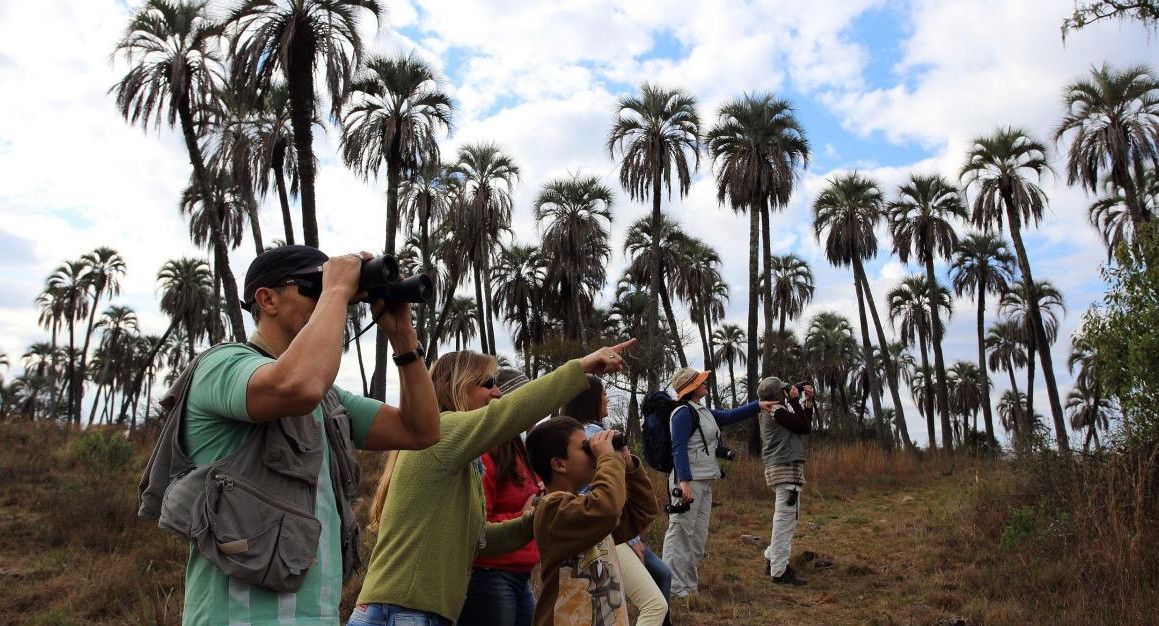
(216, 424)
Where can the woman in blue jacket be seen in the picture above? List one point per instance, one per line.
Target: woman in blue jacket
(695, 437)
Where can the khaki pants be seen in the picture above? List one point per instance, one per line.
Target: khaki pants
(785, 517)
(640, 588)
(686, 537)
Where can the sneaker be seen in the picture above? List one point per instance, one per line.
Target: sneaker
(789, 578)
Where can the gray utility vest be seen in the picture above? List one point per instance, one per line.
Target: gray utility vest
(701, 454)
(251, 513)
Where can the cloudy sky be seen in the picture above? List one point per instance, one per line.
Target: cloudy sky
(888, 88)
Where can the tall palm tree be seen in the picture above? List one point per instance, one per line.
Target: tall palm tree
(969, 394)
(276, 157)
(792, 287)
(1004, 341)
(1089, 410)
(698, 282)
(849, 208)
(520, 278)
(425, 201)
(655, 133)
(758, 148)
(762, 149)
(982, 264)
(393, 114)
(578, 216)
(920, 224)
(118, 325)
(461, 323)
(186, 297)
(288, 40)
(1016, 304)
(487, 179)
(831, 352)
(910, 304)
(68, 280)
(1000, 167)
(1110, 215)
(647, 247)
(730, 341)
(104, 269)
(234, 123)
(1113, 122)
(172, 50)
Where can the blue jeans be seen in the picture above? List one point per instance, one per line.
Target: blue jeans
(392, 615)
(660, 573)
(498, 598)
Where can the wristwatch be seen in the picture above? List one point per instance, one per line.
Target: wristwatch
(406, 358)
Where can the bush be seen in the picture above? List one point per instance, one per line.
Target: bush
(103, 453)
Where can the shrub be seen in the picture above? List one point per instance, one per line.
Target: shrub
(103, 453)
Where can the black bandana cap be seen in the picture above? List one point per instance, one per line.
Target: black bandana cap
(274, 266)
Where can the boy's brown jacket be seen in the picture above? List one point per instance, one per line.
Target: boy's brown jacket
(577, 536)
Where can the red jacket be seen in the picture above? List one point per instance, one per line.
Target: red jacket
(504, 503)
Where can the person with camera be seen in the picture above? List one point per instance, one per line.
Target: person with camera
(783, 430)
(255, 464)
(695, 447)
(432, 507)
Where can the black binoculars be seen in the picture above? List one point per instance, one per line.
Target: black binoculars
(380, 279)
(618, 443)
(725, 453)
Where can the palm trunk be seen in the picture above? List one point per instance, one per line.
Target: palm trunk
(277, 165)
(480, 310)
(217, 238)
(890, 366)
(754, 298)
(672, 327)
(867, 353)
(1031, 348)
(96, 403)
(928, 400)
(300, 79)
(766, 350)
(433, 340)
(652, 322)
(1018, 419)
(381, 344)
(710, 359)
(489, 308)
(426, 315)
(987, 412)
(936, 334)
(732, 383)
(71, 378)
(1039, 330)
(633, 406)
(581, 330)
(84, 353)
(252, 210)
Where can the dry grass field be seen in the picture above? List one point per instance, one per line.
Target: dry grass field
(912, 541)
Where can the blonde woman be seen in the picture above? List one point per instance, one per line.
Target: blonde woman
(430, 508)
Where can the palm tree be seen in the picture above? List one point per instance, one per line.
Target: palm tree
(172, 48)
(392, 116)
(999, 166)
(69, 282)
(425, 201)
(655, 133)
(1113, 121)
(910, 305)
(982, 264)
(104, 269)
(461, 323)
(118, 325)
(276, 156)
(969, 393)
(487, 178)
(730, 340)
(234, 121)
(1016, 304)
(520, 278)
(453, 252)
(758, 148)
(642, 244)
(578, 216)
(698, 282)
(1007, 351)
(831, 351)
(1089, 410)
(1110, 215)
(288, 39)
(1012, 408)
(849, 208)
(920, 224)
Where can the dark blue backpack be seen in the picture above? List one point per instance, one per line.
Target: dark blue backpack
(657, 431)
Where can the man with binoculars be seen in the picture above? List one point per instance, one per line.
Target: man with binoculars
(783, 430)
(259, 470)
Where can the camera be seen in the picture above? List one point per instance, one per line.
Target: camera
(725, 453)
(801, 386)
(618, 443)
(679, 507)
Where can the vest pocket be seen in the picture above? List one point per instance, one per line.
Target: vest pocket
(294, 448)
(255, 538)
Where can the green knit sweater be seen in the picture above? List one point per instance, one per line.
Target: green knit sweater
(434, 511)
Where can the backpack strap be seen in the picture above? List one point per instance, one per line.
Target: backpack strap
(695, 422)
